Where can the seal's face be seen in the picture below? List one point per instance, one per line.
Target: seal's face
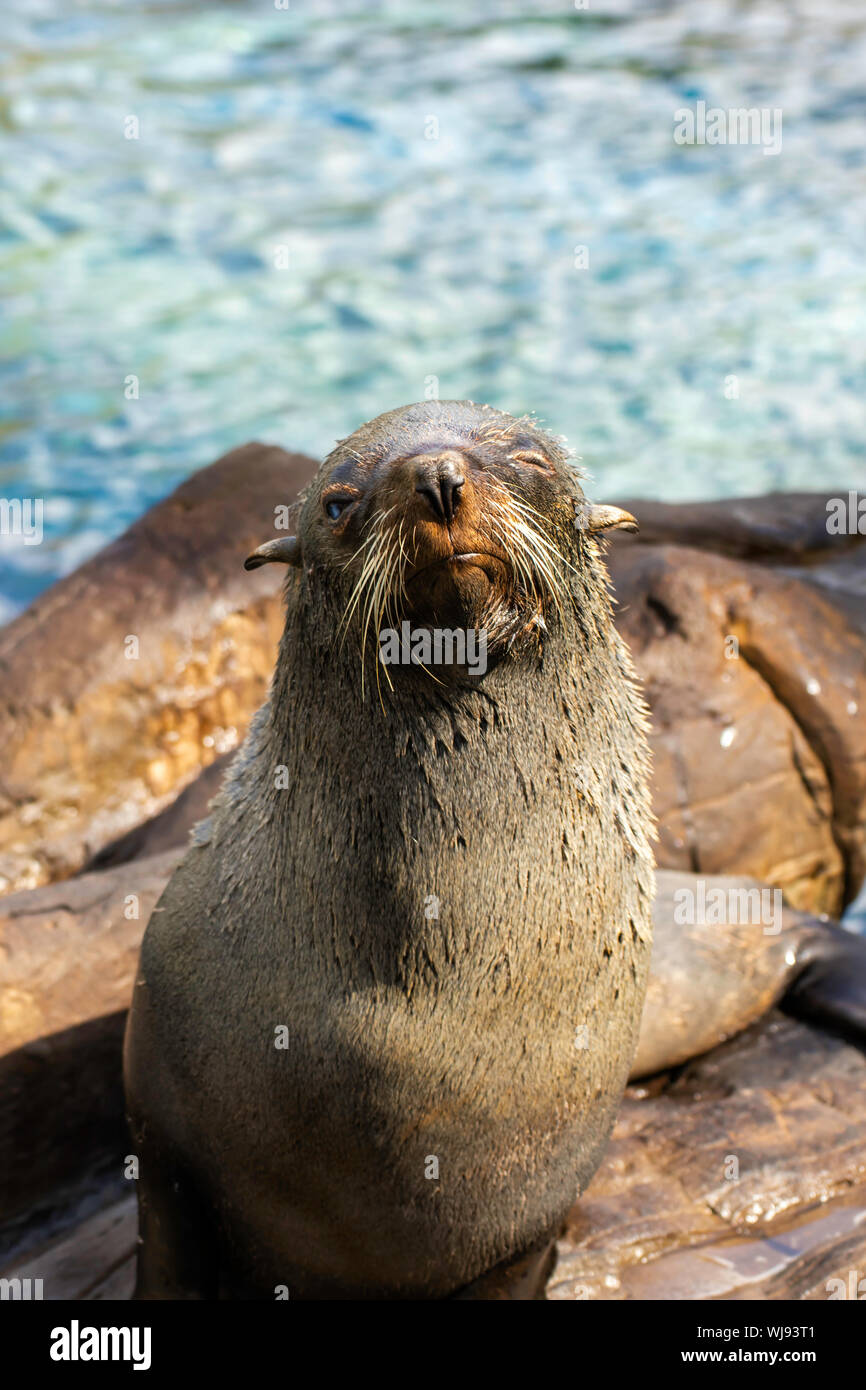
(450, 515)
(457, 529)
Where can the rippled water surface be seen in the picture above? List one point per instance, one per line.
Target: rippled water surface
(411, 257)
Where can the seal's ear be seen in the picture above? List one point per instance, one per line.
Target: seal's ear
(285, 551)
(594, 517)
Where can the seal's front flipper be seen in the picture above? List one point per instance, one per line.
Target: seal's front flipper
(725, 952)
(830, 989)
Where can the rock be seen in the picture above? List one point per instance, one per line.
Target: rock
(755, 672)
(784, 527)
(171, 828)
(68, 951)
(92, 742)
(94, 1261)
(62, 1126)
(744, 1176)
(68, 954)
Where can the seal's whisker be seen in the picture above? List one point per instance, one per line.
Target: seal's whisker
(377, 575)
(534, 558)
(404, 559)
(381, 583)
(361, 586)
(372, 549)
(376, 523)
(523, 572)
(548, 557)
(528, 513)
(544, 555)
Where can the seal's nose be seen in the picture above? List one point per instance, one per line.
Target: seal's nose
(439, 481)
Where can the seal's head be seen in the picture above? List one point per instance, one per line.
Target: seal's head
(447, 514)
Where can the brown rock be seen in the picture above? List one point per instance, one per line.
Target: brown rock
(171, 828)
(62, 1125)
(756, 678)
(68, 954)
(93, 743)
(68, 951)
(744, 1177)
(782, 527)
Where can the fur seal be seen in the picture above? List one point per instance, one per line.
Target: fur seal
(431, 889)
(388, 1003)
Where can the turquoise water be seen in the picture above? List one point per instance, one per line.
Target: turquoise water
(409, 257)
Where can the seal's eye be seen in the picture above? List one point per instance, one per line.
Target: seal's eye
(335, 506)
(530, 456)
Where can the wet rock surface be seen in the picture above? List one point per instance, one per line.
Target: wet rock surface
(741, 1176)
